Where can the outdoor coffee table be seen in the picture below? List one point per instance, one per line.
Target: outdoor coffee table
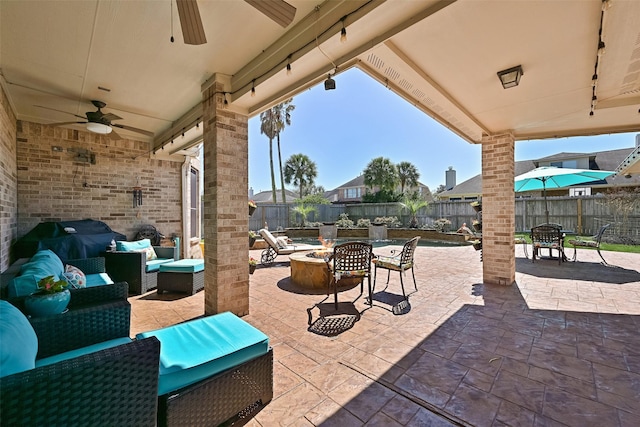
(185, 275)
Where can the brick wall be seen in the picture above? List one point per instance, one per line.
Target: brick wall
(226, 213)
(8, 180)
(53, 185)
(498, 209)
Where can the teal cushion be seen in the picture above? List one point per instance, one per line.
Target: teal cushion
(22, 286)
(42, 264)
(154, 265)
(18, 341)
(201, 348)
(133, 246)
(98, 279)
(82, 351)
(183, 266)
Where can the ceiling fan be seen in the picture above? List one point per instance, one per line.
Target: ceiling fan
(193, 32)
(99, 122)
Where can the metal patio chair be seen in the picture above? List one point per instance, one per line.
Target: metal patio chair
(398, 261)
(595, 243)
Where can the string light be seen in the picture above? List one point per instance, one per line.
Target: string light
(289, 65)
(253, 88)
(600, 51)
(343, 32)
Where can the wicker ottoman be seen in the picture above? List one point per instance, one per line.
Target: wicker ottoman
(185, 275)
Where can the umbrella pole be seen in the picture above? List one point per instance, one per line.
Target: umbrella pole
(546, 208)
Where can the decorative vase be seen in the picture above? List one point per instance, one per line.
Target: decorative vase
(46, 304)
(252, 268)
(252, 209)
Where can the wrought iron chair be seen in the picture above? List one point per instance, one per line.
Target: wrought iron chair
(547, 236)
(595, 243)
(350, 261)
(398, 261)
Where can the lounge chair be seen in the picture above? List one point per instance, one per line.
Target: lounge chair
(281, 246)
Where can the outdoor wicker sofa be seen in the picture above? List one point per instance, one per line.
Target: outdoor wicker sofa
(110, 386)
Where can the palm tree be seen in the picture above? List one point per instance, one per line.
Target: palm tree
(268, 128)
(282, 116)
(301, 171)
(381, 173)
(413, 206)
(408, 175)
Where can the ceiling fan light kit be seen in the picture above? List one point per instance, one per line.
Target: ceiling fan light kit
(99, 128)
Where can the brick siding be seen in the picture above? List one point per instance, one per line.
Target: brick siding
(55, 186)
(8, 181)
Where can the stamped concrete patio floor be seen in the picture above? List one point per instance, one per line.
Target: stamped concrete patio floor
(559, 348)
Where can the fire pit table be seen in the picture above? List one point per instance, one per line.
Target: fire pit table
(309, 270)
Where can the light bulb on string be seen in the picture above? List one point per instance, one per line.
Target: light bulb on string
(343, 33)
(253, 89)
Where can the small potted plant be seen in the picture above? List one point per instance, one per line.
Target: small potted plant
(477, 225)
(477, 244)
(477, 206)
(52, 297)
(252, 207)
(253, 263)
(252, 237)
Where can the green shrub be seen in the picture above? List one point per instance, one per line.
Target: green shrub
(344, 221)
(363, 223)
(442, 224)
(389, 221)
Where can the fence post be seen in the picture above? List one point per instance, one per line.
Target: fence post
(579, 215)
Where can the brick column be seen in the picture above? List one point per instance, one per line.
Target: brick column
(226, 213)
(498, 210)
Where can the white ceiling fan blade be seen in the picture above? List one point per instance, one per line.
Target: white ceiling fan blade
(278, 10)
(190, 21)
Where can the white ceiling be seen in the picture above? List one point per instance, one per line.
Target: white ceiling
(442, 56)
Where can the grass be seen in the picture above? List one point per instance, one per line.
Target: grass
(614, 247)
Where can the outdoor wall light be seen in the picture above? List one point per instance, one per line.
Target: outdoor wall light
(329, 84)
(99, 128)
(510, 77)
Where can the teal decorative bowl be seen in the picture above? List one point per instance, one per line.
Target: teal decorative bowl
(40, 305)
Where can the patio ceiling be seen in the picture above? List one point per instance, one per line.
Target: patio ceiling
(441, 56)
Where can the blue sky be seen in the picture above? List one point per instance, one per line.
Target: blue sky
(343, 129)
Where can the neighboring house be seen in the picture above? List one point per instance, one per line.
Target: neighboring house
(471, 189)
(266, 196)
(352, 191)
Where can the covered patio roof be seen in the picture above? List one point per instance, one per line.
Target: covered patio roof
(441, 56)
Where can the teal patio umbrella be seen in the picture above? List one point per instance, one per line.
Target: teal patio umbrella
(553, 177)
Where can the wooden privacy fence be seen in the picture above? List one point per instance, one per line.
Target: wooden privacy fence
(583, 215)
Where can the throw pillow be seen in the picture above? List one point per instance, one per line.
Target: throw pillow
(281, 242)
(74, 277)
(150, 253)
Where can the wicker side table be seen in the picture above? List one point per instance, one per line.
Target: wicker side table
(186, 275)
